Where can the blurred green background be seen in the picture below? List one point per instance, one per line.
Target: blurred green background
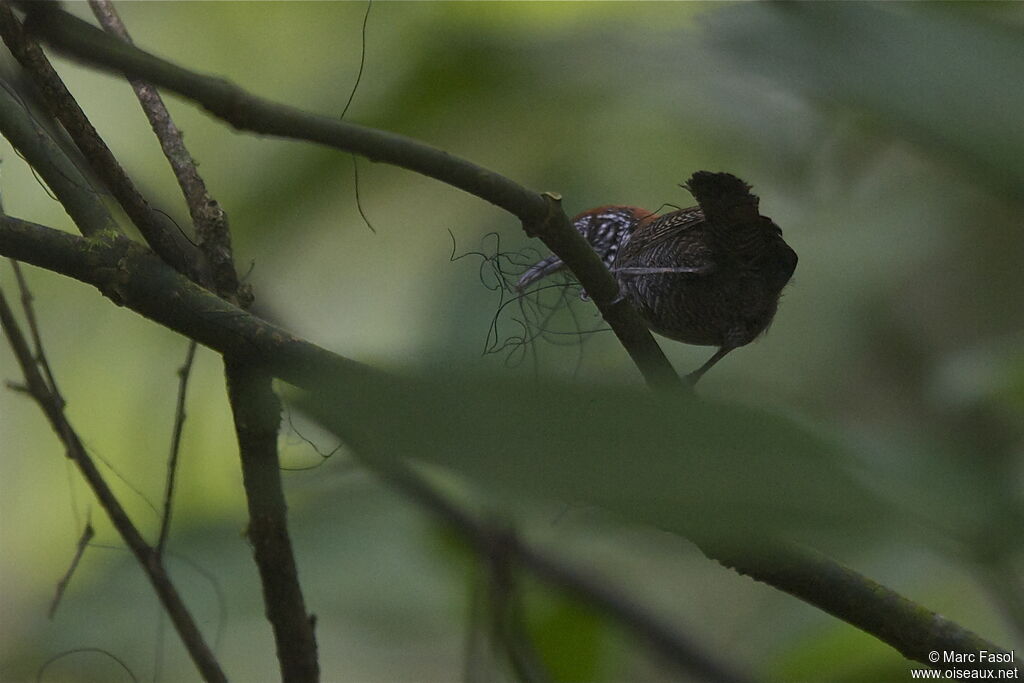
(886, 140)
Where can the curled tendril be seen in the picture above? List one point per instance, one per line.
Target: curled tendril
(548, 312)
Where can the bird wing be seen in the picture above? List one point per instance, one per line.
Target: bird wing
(656, 229)
(672, 243)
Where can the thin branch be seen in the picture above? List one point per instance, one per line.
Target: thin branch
(33, 328)
(541, 214)
(184, 372)
(133, 277)
(257, 413)
(40, 358)
(167, 242)
(210, 220)
(506, 612)
(362, 59)
(79, 650)
(62, 585)
(53, 408)
(44, 155)
(492, 541)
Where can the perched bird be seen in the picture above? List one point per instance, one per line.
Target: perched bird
(709, 275)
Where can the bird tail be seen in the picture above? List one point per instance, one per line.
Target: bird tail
(538, 271)
(725, 199)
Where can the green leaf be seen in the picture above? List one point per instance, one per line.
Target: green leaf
(678, 464)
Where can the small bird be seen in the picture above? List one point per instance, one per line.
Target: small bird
(709, 275)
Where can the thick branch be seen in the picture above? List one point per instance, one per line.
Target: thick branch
(257, 412)
(133, 277)
(541, 215)
(904, 625)
(72, 189)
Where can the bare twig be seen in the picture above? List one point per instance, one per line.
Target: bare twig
(33, 328)
(53, 408)
(904, 625)
(210, 220)
(184, 372)
(62, 106)
(83, 542)
(79, 650)
(348, 103)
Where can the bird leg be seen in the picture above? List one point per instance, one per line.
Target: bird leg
(694, 376)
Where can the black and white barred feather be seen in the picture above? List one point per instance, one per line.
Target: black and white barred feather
(606, 228)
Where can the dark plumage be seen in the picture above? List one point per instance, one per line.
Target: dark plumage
(709, 275)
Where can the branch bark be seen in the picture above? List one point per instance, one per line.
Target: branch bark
(257, 413)
(72, 189)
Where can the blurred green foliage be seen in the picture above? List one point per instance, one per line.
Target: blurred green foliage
(885, 139)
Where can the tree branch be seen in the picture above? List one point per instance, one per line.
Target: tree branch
(72, 189)
(132, 276)
(257, 413)
(541, 214)
(170, 244)
(210, 220)
(184, 372)
(902, 624)
(492, 542)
